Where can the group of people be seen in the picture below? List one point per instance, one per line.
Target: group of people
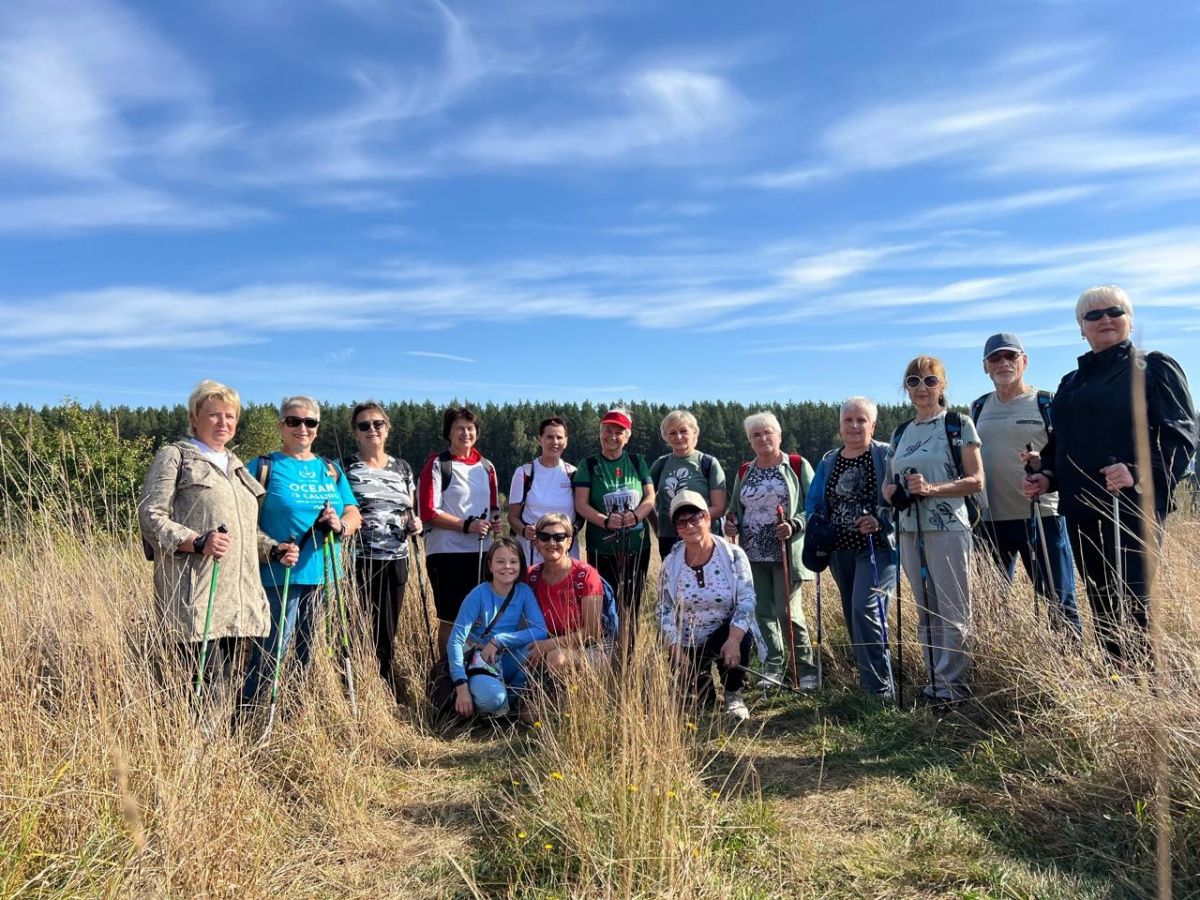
(1052, 479)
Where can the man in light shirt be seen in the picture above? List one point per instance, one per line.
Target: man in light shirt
(1009, 419)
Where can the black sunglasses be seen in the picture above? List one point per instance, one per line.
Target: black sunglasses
(297, 421)
(1095, 315)
(1007, 355)
(556, 537)
(377, 424)
(915, 381)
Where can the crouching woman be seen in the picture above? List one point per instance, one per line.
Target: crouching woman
(706, 606)
(496, 625)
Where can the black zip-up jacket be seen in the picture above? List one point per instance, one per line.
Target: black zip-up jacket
(1093, 427)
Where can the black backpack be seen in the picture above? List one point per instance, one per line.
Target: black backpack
(1044, 399)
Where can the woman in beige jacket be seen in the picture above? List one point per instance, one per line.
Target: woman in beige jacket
(195, 486)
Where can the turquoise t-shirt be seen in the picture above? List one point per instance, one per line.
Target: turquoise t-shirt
(296, 492)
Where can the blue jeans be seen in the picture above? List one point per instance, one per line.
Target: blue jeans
(303, 603)
(1009, 538)
(491, 695)
(866, 611)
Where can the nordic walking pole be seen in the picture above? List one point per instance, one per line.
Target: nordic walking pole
(1116, 517)
(772, 679)
(927, 589)
(212, 595)
(479, 564)
(345, 623)
(787, 598)
(279, 637)
(898, 670)
(1041, 565)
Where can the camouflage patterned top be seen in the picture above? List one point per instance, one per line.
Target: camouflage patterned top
(386, 498)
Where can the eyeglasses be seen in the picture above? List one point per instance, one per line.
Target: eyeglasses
(913, 381)
(692, 521)
(1095, 315)
(1006, 355)
(377, 424)
(556, 537)
(297, 421)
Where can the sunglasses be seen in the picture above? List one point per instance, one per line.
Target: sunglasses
(1006, 355)
(913, 381)
(555, 537)
(377, 424)
(1095, 315)
(692, 521)
(297, 421)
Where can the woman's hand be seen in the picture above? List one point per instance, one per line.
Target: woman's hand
(289, 554)
(331, 520)
(867, 524)
(489, 652)
(731, 528)
(1033, 486)
(414, 525)
(1116, 477)
(917, 485)
(463, 705)
(888, 490)
(1032, 460)
(216, 544)
(731, 651)
(628, 519)
(783, 531)
(480, 527)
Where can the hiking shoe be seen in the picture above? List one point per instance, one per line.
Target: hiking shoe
(735, 706)
(808, 682)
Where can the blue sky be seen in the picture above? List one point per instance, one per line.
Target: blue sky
(584, 200)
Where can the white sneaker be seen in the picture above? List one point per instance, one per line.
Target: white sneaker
(808, 682)
(735, 706)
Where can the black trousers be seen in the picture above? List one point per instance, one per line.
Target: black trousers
(627, 575)
(224, 665)
(381, 585)
(1120, 608)
(451, 578)
(695, 676)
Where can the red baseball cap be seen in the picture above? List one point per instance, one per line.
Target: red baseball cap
(617, 417)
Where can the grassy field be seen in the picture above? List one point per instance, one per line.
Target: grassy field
(1044, 787)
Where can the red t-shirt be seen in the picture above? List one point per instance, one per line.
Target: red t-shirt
(562, 603)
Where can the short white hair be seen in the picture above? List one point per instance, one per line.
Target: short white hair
(679, 415)
(764, 419)
(1107, 295)
(866, 404)
(299, 402)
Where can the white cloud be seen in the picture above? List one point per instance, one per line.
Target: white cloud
(661, 107)
(114, 205)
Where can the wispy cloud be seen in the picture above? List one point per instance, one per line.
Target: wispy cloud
(429, 354)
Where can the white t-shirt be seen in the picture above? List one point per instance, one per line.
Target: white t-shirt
(218, 459)
(550, 491)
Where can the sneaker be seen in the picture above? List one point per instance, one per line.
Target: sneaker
(808, 683)
(735, 706)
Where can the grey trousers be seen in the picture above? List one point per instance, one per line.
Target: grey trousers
(943, 613)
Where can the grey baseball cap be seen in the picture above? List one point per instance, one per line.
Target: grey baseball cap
(1002, 341)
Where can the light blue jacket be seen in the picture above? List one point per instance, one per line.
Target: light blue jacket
(883, 512)
(521, 624)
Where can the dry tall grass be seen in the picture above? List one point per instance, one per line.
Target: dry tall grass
(109, 786)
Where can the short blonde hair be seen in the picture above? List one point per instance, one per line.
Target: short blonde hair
(1108, 294)
(555, 518)
(211, 390)
(866, 404)
(762, 419)
(297, 402)
(679, 415)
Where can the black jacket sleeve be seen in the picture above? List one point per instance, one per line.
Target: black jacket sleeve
(1173, 430)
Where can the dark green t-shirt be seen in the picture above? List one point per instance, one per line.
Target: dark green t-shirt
(613, 486)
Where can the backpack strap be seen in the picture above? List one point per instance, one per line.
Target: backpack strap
(977, 406)
(900, 431)
(954, 429)
(1044, 400)
(706, 464)
(446, 465)
(656, 469)
(743, 469)
(796, 461)
(264, 470)
(527, 471)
